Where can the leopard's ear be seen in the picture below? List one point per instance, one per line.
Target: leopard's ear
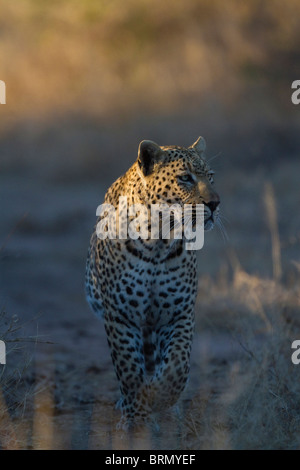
(199, 146)
(149, 153)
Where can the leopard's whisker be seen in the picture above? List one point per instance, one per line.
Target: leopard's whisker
(213, 157)
(222, 229)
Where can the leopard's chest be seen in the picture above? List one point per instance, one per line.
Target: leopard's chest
(150, 290)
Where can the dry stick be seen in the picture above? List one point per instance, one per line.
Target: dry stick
(273, 226)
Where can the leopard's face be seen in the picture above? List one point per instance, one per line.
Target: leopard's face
(176, 175)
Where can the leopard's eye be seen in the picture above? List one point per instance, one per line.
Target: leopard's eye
(186, 178)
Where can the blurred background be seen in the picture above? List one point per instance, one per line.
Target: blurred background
(86, 81)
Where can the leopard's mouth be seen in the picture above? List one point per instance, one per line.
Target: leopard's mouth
(209, 220)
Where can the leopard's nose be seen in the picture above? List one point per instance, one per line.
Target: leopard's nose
(212, 205)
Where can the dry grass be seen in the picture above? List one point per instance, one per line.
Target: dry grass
(111, 57)
(18, 392)
(250, 401)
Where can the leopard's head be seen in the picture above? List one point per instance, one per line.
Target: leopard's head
(178, 175)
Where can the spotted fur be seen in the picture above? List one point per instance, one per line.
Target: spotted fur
(146, 289)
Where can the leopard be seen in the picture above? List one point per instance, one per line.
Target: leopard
(145, 289)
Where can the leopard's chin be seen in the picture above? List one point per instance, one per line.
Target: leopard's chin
(209, 224)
